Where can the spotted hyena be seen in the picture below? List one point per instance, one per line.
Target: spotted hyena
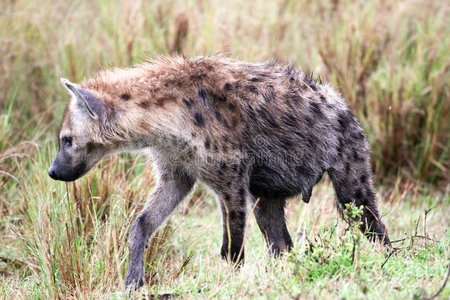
(254, 133)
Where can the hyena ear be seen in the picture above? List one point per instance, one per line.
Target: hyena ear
(86, 99)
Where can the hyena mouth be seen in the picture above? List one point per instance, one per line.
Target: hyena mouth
(65, 173)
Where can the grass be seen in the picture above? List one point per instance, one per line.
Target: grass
(389, 59)
(69, 241)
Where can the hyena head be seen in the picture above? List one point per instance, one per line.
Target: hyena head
(80, 146)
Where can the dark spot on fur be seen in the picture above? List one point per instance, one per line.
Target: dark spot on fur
(233, 215)
(125, 96)
(235, 167)
(357, 135)
(237, 85)
(220, 98)
(286, 143)
(240, 171)
(252, 89)
(232, 106)
(289, 120)
(227, 197)
(228, 86)
(342, 122)
(256, 79)
(370, 194)
(269, 96)
(308, 121)
(187, 102)
(222, 165)
(203, 96)
(315, 108)
(241, 192)
(215, 147)
(347, 168)
(195, 148)
(207, 143)
(358, 194)
(363, 178)
(141, 221)
(267, 117)
(356, 156)
(310, 140)
(218, 115)
(323, 99)
(295, 96)
(340, 147)
(199, 120)
(229, 183)
(144, 104)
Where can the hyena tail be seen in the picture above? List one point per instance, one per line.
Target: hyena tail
(352, 181)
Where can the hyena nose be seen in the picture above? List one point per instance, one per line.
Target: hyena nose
(52, 173)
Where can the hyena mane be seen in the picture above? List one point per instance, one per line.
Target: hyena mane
(247, 130)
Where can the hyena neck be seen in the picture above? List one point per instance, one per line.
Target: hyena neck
(143, 105)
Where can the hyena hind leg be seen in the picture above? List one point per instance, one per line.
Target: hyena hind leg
(269, 214)
(358, 190)
(168, 193)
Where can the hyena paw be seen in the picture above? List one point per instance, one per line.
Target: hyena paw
(235, 256)
(135, 277)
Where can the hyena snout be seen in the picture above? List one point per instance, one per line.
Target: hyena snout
(66, 171)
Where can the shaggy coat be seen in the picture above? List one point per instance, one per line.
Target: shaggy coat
(248, 131)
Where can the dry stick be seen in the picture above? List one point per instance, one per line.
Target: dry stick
(227, 222)
(389, 256)
(442, 287)
(353, 250)
(427, 211)
(379, 221)
(415, 236)
(415, 231)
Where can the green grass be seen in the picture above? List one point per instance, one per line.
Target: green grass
(389, 59)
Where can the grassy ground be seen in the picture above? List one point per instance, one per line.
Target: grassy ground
(389, 59)
(70, 242)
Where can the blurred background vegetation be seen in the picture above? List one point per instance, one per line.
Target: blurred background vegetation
(389, 59)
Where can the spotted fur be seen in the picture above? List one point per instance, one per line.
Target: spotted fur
(249, 131)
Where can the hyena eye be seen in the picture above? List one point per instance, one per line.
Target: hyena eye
(67, 141)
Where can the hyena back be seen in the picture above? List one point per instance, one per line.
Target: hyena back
(254, 133)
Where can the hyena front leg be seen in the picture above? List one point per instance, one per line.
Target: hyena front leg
(172, 187)
(269, 214)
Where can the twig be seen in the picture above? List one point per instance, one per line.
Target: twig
(442, 287)
(353, 250)
(415, 236)
(389, 256)
(427, 211)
